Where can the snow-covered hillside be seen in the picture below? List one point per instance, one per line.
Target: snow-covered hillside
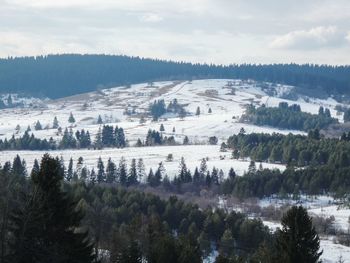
(124, 106)
(227, 100)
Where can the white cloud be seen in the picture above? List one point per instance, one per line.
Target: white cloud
(317, 37)
(151, 18)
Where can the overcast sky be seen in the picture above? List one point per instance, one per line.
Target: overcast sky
(212, 31)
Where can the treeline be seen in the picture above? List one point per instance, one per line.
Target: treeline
(41, 220)
(296, 150)
(108, 136)
(288, 117)
(158, 108)
(63, 75)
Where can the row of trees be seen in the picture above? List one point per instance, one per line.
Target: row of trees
(108, 136)
(55, 75)
(46, 225)
(297, 150)
(288, 117)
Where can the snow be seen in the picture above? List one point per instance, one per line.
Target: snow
(152, 156)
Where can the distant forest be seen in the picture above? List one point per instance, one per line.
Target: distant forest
(58, 76)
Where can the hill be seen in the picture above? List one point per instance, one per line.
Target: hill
(57, 76)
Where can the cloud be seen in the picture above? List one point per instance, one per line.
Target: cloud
(315, 38)
(151, 18)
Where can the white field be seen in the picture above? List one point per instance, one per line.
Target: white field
(151, 156)
(222, 122)
(111, 103)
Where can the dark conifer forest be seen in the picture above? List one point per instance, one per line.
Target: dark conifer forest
(58, 76)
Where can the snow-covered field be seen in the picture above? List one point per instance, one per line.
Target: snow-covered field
(227, 107)
(323, 206)
(151, 156)
(226, 98)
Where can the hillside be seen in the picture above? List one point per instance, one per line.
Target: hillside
(58, 76)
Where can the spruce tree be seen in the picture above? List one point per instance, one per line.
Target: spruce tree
(101, 176)
(111, 171)
(46, 227)
(122, 172)
(132, 177)
(71, 118)
(98, 140)
(69, 175)
(298, 241)
(99, 120)
(198, 111)
(55, 123)
(38, 126)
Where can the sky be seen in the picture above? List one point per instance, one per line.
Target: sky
(205, 31)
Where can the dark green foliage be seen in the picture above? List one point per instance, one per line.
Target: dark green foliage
(298, 241)
(292, 149)
(46, 227)
(55, 75)
(157, 109)
(288, 117)
(347, 115)
(71, 118)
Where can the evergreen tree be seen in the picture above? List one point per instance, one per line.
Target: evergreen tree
(93, 177)
(133, 176)
(140, 170)
(36, 167)
(9, 101)
(98, 140)
(69, 175)
(44, 228)
(101, 176)
(186, 141)
(162, 128)
(111, 172)
(55, 124)
(38, 126)
(198, 111)
(71, 118)
(122, 172)
(18, 167)
(99, 120)
(209, 111)
(298, 241)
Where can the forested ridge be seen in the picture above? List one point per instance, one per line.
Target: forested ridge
(44, 219)
(63, 75)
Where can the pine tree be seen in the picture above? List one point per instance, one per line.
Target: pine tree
(198, 111)
(78, 169)
(18, 167)
(99, 120)
(133, 177)
(93, 177)
(186, 141)
(44, 228)
(38, 126)
(71, 118)
(55, 124)
(69, 176)
(162, 128)
(158, 176)
(101, 176)
(98, 140)
(298, 241)
(9, 101)
(140, 170)
(111, 172)
(122, 172)
(36, 167)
